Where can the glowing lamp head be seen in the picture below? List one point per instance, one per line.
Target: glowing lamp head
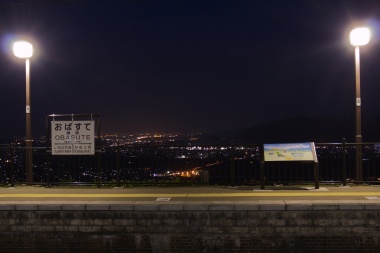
(360, 36)
(23, 49)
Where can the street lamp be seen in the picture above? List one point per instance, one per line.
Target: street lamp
(358, 37)
(24, 50)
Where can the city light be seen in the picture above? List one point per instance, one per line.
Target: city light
(162, 164)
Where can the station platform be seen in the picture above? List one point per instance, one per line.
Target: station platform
(327, 197)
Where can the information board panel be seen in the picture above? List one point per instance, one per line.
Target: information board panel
(73, 137)
(376, 148)
(290, 152)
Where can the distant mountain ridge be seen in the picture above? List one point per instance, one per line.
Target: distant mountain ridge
(299, 129)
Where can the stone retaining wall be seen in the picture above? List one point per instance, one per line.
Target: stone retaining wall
(256, 226)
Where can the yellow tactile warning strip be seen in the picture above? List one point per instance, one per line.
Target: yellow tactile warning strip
(196, 195)
(287, 194)
(95, 195)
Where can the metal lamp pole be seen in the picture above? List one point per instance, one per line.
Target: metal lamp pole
(358, 37)
(24, 50)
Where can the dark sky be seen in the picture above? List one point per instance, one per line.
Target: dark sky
(186, 65)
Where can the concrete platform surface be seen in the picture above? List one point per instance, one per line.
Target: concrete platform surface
(287, 198)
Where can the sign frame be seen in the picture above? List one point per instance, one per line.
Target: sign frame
(70, 118)
(72, 134)
(301, 152)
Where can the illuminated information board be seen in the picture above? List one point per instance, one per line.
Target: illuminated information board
(304, 151)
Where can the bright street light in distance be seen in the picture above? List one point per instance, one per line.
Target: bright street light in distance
(23, 49)
(360, 36)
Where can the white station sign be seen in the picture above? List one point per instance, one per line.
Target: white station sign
(72, 138)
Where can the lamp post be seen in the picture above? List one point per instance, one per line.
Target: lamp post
(358, 37)
(24, 50)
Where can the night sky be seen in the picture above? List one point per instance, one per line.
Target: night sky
(186, 65)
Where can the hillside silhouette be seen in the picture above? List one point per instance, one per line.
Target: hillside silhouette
(299, 129)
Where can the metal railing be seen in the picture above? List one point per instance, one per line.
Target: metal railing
(184, 165)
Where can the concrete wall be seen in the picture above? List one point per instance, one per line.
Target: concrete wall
(256, 226)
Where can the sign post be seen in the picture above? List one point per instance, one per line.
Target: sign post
(72, 134)
(285, 152)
